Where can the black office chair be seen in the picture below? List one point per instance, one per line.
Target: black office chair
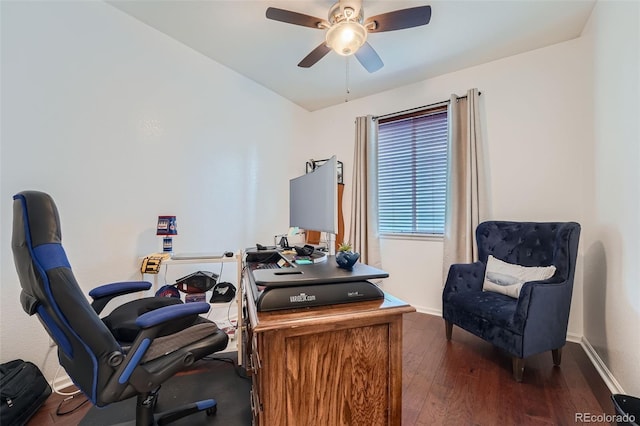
(165, 337)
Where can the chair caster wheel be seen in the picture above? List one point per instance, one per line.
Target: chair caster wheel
(212, 411)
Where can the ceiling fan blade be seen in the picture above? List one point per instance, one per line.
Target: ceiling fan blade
(368, 57)
(294, 18)
(400, 19)
(315, 55)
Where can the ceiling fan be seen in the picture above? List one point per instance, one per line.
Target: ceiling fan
(347, 30)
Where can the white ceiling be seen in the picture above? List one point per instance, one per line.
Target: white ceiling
(461, 34)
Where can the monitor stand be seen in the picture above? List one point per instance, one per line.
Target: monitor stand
(331, 237)
(313, 239)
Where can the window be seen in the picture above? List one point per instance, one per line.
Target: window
(412, 172)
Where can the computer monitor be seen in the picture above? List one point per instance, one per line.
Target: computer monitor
(313, 199)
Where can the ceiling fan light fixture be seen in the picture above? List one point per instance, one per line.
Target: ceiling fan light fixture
(346, 37)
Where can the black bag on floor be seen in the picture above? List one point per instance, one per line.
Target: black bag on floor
(23, 390)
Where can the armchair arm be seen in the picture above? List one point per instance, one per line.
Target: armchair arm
(542, 313)
(105, 293)
(463, 277)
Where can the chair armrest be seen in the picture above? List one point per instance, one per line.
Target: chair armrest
(167, 313)
(105, 293)
(151, 323)
(463, 277)
(543, 311)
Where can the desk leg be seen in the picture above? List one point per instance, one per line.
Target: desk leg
(239, 296)
(155, 281)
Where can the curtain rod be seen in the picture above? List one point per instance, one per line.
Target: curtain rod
(433, 105)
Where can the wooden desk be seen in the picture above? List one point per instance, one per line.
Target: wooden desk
(332, 365)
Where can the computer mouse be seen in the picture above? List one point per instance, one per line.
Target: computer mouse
(228, 253)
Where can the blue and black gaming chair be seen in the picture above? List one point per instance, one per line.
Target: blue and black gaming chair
(131, 352)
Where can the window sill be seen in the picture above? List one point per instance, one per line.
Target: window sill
(412, 237)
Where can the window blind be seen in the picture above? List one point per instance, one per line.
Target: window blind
(412, 174)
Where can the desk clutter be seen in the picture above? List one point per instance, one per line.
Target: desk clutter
(197, 282)
(151, 264)
(278, 281)
(218, 289)
(196, 285)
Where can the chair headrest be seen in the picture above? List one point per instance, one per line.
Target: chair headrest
(40, 214)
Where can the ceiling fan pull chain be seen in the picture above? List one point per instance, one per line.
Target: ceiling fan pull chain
(346, 96)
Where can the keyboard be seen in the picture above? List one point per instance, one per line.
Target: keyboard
(268, 266)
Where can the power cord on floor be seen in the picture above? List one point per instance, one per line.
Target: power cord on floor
(231, 361)
(69, 395)
(71, 410)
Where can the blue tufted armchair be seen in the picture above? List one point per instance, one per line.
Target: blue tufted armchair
(537, 320)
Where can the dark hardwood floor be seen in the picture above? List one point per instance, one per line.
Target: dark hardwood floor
(465, 382)
(469, 382)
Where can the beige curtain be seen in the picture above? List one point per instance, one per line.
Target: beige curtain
(466, 181)
(363, 230)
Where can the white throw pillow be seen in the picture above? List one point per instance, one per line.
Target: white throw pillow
(507, 278)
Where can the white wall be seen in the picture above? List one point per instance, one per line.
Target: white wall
(120, 124)
(612, 247)
(535, 106)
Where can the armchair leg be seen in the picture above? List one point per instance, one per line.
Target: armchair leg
(557, 356)
(448, 328)
(518, 368)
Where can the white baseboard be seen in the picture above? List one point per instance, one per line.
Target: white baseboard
(601, 368)
(429, 311)
(574, 338)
